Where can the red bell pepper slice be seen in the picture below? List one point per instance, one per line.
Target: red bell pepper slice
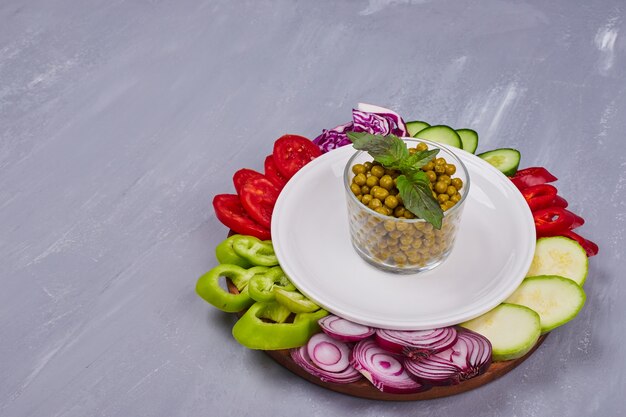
(532, 176)
(590, 247)
(554, 221)
(539, 196)
(560, 201)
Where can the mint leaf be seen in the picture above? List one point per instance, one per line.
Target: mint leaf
(389, 150)
(417, 160)
(414, 185)
(418, 197)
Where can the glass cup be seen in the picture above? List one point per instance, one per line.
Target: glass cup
(399, 245)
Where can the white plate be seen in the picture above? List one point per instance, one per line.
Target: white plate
(493, 251)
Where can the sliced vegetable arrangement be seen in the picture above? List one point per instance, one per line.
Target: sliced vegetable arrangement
(274, 315)
(548, 208)
(400, 362)
(277, 316)
(249, 212)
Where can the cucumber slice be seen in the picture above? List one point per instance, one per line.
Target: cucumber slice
(557, 300)
(469, 139)
(505, 159)
(440, 134)
(560, 256)
(415, 127)
(512, 330)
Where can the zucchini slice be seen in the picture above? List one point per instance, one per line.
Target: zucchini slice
(512, 330)
(440, 134)
(505, 159)
(560, 256)
(469, 139)
(415, 127)
(557, 300)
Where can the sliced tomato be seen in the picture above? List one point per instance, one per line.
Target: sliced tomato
(273, 174)
(292, 152)
(242, 176)
(230, 212)
(258, 197)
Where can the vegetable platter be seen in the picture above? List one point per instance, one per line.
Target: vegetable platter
(424, 303)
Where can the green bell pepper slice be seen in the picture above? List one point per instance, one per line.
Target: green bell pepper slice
(252, 273)
(257, 252)
(225, 253)
(208, 287)
(254, 333)
(261, 287)
(294, 301)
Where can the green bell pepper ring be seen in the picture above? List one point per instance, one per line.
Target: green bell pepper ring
(252, 272)
(225, 253)
(275, 312)
(208, 287)
(254, 333)
(260, 286)
(294, 301)
(257, 252)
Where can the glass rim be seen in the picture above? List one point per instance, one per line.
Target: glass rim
(347, 170)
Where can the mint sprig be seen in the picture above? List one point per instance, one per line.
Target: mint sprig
(413, 185)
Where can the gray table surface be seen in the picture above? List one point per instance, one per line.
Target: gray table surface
(119, 121)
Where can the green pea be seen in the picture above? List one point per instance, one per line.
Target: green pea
(359, 179)
(378, 171)
(450, 169)
(444, 178)
(359, 169)
(371, 181)
(457, 183)
(441, 187)
(386, 182)
(391, 202)
(375, 203)
(381, 193)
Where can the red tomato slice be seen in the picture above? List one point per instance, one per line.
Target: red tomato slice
(292, 152)
(242, 176)
(231, 213)
(258, 197)
(273, 174)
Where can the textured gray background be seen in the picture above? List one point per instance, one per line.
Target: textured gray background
(119, 121)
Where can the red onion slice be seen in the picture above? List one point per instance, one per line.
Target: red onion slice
(416, 343)
(327, 353)
(346, 376)
(470, 356)
(383, 369)
(344, 330)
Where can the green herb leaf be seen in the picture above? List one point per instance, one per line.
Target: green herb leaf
(388, 150)
(417, 160)
(418, 197)
(392, 153)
